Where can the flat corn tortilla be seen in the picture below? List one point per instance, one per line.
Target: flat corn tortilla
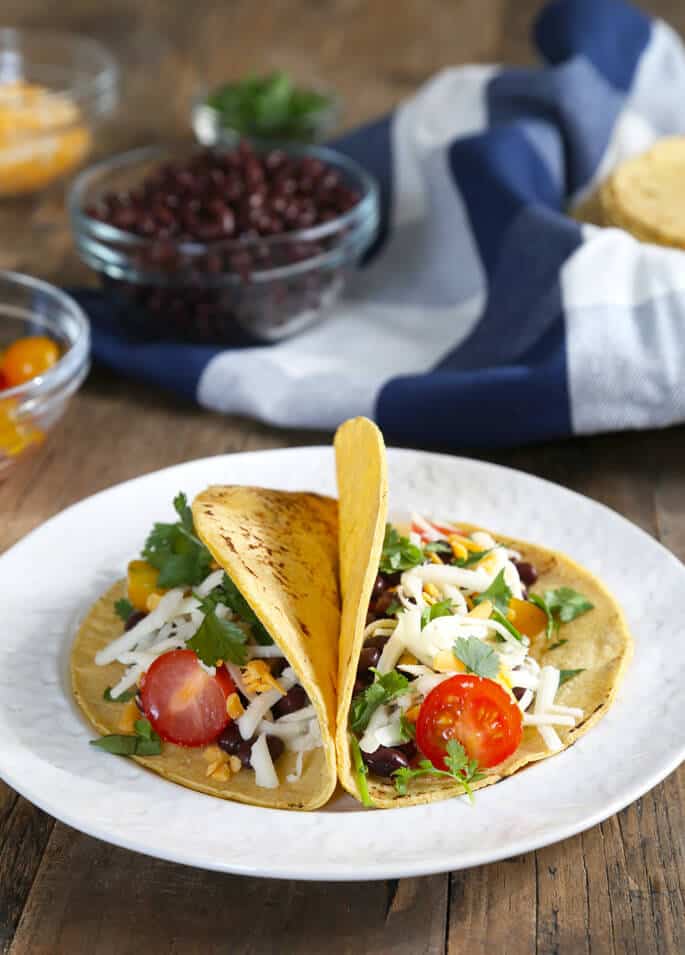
(280, 549)
(597, 642)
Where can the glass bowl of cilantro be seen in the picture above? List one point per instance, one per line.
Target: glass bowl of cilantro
(267, 109)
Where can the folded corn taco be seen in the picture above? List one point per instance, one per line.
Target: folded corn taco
(464, 655)
(214, 663)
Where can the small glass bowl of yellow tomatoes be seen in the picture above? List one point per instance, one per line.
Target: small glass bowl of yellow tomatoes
(44, 358)
(55, 90)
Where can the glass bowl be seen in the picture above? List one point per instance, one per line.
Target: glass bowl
(55, 88)
(27, 412)
(228, 291)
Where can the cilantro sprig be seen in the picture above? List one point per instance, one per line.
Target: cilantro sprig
(477, 656)
(561, 606)
(443, 608)
(174, 549)
(217, 639)
(474, 557)
(123, 608)
(459, 767)
(145, 742)
(361, 771)
(228, 594)
(398, 552)
(498, 593)
(566, 675)
(123, 697)
(385, 688)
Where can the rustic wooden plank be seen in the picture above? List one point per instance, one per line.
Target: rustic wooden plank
(116, 903)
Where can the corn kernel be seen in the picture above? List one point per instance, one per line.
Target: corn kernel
(212, 753)
(481, 611)
(431, 589)
(446, 662)
(258, 678)
(412, 713)
(222, 773)
(152, 602)
(458, 549)
(129, 715)
(433, 557)
(465, 542)
(408, 659)
(235, 764)
(234, 707)
(489, 563)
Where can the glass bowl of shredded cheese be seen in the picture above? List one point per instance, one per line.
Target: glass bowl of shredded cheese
(55, 88)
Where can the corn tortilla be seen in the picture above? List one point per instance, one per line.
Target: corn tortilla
(597, 642)
(280, 549)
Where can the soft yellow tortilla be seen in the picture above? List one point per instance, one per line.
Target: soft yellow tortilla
(598, 641)
(280, 549)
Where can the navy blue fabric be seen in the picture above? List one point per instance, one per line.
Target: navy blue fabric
(611, 34)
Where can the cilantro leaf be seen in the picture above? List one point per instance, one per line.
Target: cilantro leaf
(122, 698)
(497, 593)
(217, 639)
(394, 607)
(561, 606)
(566, 604)
(228, 594)
(123, 608)
(566, 675)
(398, 552)
(437, 547)
(385, 688)
(559, 643)
(551, 623)
(443, 608)
(407, 729)
(477, 656)
(473, 558)
(145, 742)
(460, 768)
(175, 551)
(507, 624)
(362, 771)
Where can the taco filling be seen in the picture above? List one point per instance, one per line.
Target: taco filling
(445, 682)
(197, 671)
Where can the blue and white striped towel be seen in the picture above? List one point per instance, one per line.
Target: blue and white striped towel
(486, 316)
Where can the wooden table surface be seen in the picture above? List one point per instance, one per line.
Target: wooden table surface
(617, 888)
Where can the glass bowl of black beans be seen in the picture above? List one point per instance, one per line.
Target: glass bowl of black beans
(223, 246)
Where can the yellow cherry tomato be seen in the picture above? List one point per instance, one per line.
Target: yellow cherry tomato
(527, 617)
(28, 357)
(142, 583)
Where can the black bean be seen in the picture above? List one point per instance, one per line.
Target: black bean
(368, 658)
(392, 580)
(276, 747)
(527, 572)
(385, 760)
(379, 641)
(379, 586)
(278, 665)
(380, 607)
(135, 618)
(295, 699)
(518, 692)
(363, 680)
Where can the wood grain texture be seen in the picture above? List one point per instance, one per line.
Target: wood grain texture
(618, 888)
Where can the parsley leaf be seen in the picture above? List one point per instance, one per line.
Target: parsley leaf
(566, 675)
(362, 772)
(145, 742)
(473, 558)
(228, 594)
(175, 551)
(497, 593)
(460, 768)
(122, 698)
(217, 639)
(123, 609)
(398, 552)
(477, 656)
(443, 608)
(561, 606)
(385, 688)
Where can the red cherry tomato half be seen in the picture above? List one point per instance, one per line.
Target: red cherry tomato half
(225, 681)
(440, 528)
(28, 357)
(182, 701)
(476, 712)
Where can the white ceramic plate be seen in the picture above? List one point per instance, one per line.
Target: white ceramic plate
(48, 580)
